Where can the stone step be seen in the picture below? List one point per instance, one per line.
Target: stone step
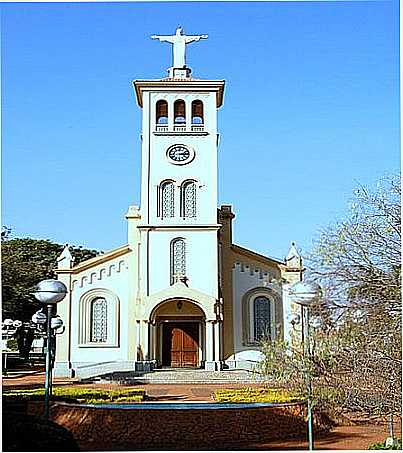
(180, 377)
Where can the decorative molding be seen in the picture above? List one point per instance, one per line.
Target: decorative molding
(99, 275)
(180, 291)
(180, 227)
(113, 321)
(176, 133)
(237, 249)
(173, 86)
(97, 260)
(248, 316)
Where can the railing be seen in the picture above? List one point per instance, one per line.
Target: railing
(197, 127)
(179, 128)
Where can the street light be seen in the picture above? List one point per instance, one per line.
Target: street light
(17, 323)
(49, 292)
(307, 295)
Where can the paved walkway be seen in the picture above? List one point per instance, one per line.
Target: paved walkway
(158, 392)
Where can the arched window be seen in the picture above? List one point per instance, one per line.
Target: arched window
(161, 112)
(98, 324)
(99, 320)
(179, 112)
(167, 197)
(197, 112)
(189, 199)
(261, 318)
(178, 259)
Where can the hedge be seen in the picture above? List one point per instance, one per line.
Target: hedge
(256, 395)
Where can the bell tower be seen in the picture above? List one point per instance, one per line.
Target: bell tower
(178, 227)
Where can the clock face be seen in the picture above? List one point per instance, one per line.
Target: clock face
(180, 154)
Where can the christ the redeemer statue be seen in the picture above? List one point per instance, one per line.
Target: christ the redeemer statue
(179, 42)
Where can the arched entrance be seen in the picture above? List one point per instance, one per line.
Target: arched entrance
(178, 326)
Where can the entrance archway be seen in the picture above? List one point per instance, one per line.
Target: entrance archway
(178, 326)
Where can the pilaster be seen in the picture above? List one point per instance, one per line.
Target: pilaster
(62, 366)
(292, 273)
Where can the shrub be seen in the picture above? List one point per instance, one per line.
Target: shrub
(256, 395)
(12, 344)
(82, 395)
(22, 432)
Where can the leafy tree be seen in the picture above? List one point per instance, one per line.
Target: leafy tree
(358, 263)
(358, 260)
(25, 262)
(356, 357)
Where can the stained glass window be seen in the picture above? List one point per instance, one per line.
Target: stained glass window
(168, 199)
(99, 320)
(261, 317)
(178, 259)
(189, 199)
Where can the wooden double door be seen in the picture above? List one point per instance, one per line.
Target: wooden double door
(180, 344)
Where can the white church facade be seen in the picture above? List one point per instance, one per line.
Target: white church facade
(180, 293)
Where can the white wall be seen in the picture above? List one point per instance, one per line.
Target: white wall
(201, 259)
(246, 278)
(112, 276)
(156, 167)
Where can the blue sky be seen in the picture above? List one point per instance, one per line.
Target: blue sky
(311, 109)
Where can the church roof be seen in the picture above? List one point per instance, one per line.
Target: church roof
(176, 84)
(254, 255)
(99, 259)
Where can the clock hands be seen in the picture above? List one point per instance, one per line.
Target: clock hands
(179, 153)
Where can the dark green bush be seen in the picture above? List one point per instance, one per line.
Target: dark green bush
(22, 432)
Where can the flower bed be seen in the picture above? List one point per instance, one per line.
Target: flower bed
(77, 394)
(256, 395)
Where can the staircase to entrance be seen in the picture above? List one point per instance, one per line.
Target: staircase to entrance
(180, 376)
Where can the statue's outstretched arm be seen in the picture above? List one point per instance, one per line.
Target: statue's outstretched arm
(195, 38)
(163, 38)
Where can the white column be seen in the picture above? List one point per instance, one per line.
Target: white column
(145, 335)
(170, 114)
(217, 340)
(188, 105)
(139, 349)
(153, 342)
(292, 334)
(209, 341)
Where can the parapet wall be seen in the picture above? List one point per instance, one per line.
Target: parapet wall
(182, 428)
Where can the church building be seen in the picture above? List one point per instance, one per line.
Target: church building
(180, 293)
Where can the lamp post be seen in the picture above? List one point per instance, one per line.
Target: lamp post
(306, 295)
(49, 292)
